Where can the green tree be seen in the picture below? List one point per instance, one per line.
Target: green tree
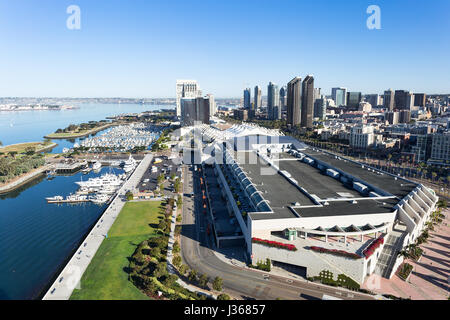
(203, 280)
(223, 296)
(129, 195)
(177, 261)
(193, 275)
(217, 284)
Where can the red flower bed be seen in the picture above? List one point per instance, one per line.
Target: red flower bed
(336, 252)
(274, 244)
(373, 246)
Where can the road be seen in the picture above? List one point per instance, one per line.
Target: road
(238, 281)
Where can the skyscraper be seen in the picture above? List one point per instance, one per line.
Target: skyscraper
(320, 108)
(294, 101)
(257, 98)
(400, 99)
(186, 89)
(388, 101)
(339, 95)
(420, 99)
(353, 99)
(283, 97)
(212, 105)
(273, 101)
(194, 110)
(307, 108)
(247, 99)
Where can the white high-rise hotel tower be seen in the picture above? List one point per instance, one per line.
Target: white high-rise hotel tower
(186, 89)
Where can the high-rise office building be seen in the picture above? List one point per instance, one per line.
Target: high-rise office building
(440, 149)
(400, 98)
(320, 108)
(307, 108)
(353, 99)
(388, 100)
(294, 101)
(339, 95)
(273, 100)
(247, 99)
(194, 111)
(257, 98)
(392, 117)
(186, 89)
(409, 101)
(317, 94)
(212, 105)
(374, 100)
(404, 116)
(283, 98)
(420, 99)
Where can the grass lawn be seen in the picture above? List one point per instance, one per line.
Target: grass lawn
(77, 133)
(21, 147)
(105, 277)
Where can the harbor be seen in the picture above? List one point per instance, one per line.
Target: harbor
(98, 190)
(69, 278)
(123, 138)
(39, 237)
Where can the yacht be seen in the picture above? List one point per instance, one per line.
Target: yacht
(105, 180)
(97, 165)
(129, 164)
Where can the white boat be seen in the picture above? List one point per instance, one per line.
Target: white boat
(129, 164)
(97, 165)
(100, 198)
(54, 199)
(105, 180)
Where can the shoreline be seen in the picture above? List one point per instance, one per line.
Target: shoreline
(92, 239)
(28, 177)
(80, 135)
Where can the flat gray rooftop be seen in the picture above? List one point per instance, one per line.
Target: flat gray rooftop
(278, 192)
(399, 188)
(281, 194)
(315, 182)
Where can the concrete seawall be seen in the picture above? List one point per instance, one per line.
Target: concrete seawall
(70, 277)
(24, 179)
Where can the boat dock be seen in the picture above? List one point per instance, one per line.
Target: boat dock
(70, 276)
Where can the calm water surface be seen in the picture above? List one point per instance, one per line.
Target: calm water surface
(36, 238)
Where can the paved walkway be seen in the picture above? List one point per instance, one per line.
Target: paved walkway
(69, 278)
(430, 277)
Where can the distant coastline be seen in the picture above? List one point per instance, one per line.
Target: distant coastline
(15, 108)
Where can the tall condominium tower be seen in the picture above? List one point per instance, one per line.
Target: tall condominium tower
(388, 101)
(339, 95)
(247, 99)
(307, 109)
(420, 99)
(194, 110)
(273, 101)
(257, 98)
(353, 99)
(212, 104)
(400, 99)
(294, 101)
(186, 89)
(283, 97)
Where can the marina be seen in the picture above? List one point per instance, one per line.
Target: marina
(123, 138)
(37, 236)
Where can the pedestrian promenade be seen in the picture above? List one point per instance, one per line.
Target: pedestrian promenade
(69, 278)
(430, 278)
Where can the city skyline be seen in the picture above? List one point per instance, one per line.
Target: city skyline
(129, 51)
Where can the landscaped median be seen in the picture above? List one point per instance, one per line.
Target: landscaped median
(106, 277)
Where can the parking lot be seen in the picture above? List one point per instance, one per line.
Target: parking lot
(149, 181)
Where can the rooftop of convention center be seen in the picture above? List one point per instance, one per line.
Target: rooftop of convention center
(315, 184)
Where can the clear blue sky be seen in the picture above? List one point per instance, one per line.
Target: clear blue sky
(139, 48)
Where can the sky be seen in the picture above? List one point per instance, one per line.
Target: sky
(139, 48)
